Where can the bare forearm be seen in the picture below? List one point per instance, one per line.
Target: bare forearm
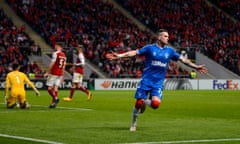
(50, 67)
(79, 64)
(127, 54)
(189, 63)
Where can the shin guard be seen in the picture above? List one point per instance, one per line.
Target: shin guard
(139, 103)
(155, 104)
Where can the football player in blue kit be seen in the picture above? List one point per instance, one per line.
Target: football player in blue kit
(157, 57)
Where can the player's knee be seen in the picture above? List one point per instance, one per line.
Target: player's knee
(10, 106)
(23, 105)
(139, 103)
(75, 85)
(155, 104)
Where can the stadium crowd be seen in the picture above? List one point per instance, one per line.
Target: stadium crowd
(230, 7)
(16, 47)
(192, 25)
(97, 25)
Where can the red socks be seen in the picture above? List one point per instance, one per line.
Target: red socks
(53, 94)
(72, 92)
(139, 103)
(83, 89)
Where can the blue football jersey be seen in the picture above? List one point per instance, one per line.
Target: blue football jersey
(156, 64)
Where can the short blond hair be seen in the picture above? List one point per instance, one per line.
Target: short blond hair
(162, 30)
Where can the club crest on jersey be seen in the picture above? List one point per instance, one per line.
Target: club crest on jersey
(166, 55)
(154, 53)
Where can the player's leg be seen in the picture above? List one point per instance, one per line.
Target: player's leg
(11, 101)
(50, 84)
(155, 102)
(140, 95)
(135, 113)
(55, 97)
(72, 90)
(51, 92)
(22, 100)
(156, 98)
(12, 98)
(51, 80)
(57, 82)
(82, 88)
(85, 90)
(75, 81)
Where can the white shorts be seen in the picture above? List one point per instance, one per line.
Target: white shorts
(53, 80)
(77, 78)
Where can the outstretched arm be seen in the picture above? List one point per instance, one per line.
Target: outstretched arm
(32, 85)
(113, 56)
(201, 68)
(7, 86)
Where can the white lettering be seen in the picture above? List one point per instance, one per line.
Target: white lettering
(159, 63)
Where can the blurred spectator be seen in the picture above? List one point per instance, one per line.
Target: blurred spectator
(14, 44)
(194, 23)
(193, 74)
(102, 28)
(231, 7)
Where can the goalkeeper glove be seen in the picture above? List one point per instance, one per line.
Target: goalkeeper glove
(37, 92)
(5, 99)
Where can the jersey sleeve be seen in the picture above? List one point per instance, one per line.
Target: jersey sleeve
(81, 58)
(143, 50)
(54, 57)
(175, 55)
(7, 85)
(28, 81)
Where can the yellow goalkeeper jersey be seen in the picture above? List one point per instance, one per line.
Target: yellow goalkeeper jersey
(16, 80)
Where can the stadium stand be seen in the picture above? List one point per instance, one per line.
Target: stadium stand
(194, 24)
(231, 7)
(16, 46)
(96, 24)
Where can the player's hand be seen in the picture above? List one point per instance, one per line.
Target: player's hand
(45, 75)
(5, 99)
(112, 56)
(37, 93)
(202, 69)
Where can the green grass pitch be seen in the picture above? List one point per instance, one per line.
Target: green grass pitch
(183, 117)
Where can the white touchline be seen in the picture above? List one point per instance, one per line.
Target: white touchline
(29, 139)
(69, 108)
(187, 141)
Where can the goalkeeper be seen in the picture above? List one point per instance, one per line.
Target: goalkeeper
(15, 81)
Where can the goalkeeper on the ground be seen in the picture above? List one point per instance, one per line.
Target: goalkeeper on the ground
(15, 90)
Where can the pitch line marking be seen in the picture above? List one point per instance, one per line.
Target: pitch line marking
(29, 139)
(70, 108)
(188, 141)
(58, 107)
